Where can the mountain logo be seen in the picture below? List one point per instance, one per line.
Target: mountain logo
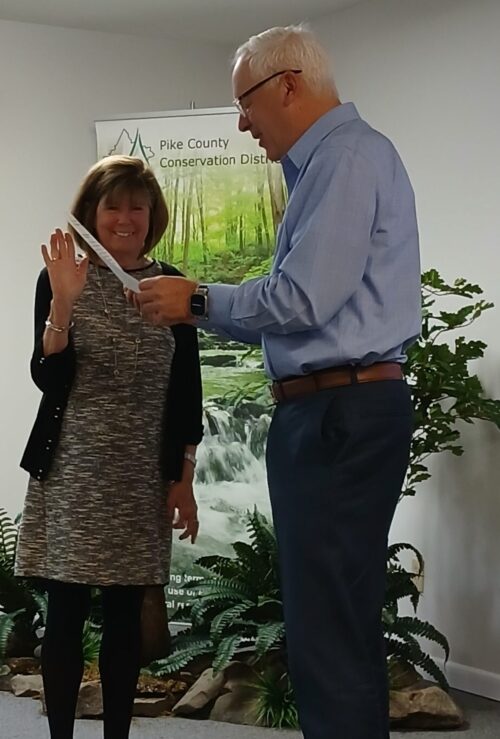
(132, 146)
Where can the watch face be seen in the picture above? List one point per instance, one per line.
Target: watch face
(198, 304)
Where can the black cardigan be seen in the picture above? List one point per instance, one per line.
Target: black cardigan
(54, 374)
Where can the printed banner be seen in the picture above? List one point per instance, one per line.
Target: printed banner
(226, 201)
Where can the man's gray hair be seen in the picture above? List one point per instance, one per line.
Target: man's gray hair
(289, 47)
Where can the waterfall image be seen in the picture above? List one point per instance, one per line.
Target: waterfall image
(230, 473)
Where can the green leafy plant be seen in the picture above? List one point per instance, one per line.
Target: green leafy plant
(444, 390)
(91, 642)
(445, 393)
(7, 625)
(236, 606)
(276, 705)
(402, 633)
(22, 605)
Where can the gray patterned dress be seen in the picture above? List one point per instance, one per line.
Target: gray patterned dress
(100, 516)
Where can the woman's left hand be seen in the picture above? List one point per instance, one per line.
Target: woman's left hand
(182, 509)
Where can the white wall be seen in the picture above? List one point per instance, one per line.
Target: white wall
(426, 73)
(54, 83)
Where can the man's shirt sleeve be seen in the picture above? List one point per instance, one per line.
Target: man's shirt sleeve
(327, 252)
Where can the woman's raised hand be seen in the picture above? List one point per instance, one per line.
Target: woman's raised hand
(67, 275)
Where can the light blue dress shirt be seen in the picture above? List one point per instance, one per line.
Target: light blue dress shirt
(344, 287)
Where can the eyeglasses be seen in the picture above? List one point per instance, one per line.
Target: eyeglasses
(237, 101)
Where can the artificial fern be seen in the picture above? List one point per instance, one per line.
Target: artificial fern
(41, 601)
(230, 588)
(19, 599)
(401, 631)
(181, 657)
(8, 542)
(394, 550)
(6, 629)
(219, 565)
(414, 626)
(210, 601)
(235, 605)
(227, 617)
(226, 649)
(410, 652)
(268, 635)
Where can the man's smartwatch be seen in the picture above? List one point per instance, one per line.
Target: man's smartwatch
(199, 302)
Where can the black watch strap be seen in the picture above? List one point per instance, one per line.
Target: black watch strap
(199, 302)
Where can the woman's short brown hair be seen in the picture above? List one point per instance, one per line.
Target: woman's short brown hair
(111, 178)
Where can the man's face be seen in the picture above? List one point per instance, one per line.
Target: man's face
(261, 111)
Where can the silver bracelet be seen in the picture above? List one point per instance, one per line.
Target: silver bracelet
(58, 329)
(190, 458)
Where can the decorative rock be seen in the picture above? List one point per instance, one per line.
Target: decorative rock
(26, 686)
(238, 674)
(238, 704)
(150, 707)
(205, 689)
(236, 707)
(427, 708)
(23, 665)
(89, 702)
(5, 681)
(402, 676)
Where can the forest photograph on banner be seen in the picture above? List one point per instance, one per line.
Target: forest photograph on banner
(225, 201)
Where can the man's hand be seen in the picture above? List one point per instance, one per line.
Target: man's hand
(182, 509)
(164, 301)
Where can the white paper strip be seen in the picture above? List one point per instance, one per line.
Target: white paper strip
(127, 280)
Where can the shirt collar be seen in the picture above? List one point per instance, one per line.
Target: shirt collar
(300, 151)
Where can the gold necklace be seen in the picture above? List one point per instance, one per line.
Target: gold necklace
(137, 340)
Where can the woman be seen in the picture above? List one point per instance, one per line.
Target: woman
(116, 431)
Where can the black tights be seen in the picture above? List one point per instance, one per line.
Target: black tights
(119, 657)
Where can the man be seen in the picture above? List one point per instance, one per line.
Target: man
(335, 316)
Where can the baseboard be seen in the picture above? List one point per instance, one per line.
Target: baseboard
(472, 680)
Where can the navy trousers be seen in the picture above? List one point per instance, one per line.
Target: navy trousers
(336, 462)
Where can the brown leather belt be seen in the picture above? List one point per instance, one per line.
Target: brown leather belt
(297, 387)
